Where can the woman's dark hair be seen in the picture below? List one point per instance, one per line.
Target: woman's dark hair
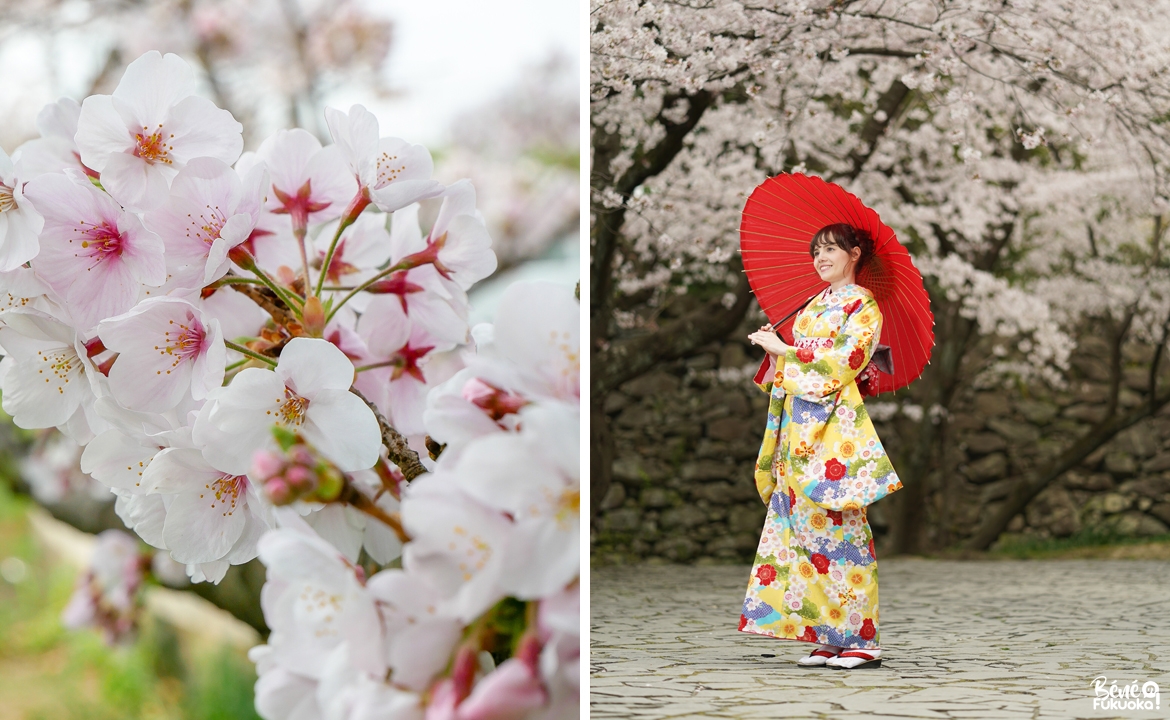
(846, 237)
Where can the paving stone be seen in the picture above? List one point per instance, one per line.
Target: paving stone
(978, 639)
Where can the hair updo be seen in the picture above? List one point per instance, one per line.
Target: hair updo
(846, 237)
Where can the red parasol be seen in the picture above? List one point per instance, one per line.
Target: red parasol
(779, 220)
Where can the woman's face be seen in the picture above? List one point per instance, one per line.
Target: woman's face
(833, 264)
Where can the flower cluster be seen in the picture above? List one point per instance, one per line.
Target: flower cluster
(490, 564)
(106, 593)
(268, 353)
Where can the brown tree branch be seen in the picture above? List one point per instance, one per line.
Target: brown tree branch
(398, 450)
(607, 221)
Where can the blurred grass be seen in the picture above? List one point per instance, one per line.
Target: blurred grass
(48, 672)
(1089, 543)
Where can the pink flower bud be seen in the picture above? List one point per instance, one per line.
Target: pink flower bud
(301, 455)
(463, 671)
(299, 477)
(278, 491)
(266, 463)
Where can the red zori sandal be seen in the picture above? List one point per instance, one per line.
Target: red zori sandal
(853, 659)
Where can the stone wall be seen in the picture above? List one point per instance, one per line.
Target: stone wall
(686, 438)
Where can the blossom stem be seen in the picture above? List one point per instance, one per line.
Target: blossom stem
(397, 449)
(405, 264)
(373, 366)
(289, 298)
(250, 353)
(299, 234)
(236, 280)
(345, 222)
(236, 364)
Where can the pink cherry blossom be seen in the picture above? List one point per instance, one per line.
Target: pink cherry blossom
(458, 244)
(150, 128)
(106, 594)
(94, 255)
(309, 183)
(308, 393)
(166, 348)
(509, 692)
(458, 544)
(534, 477)
(390, 172)
(420, 640)
(394, 369)
(19, 221)
(55, 150)
(534, 354)
(118, 456)
(212, 516)
(559, 628)
(209, 211)
(49, 378)
(317, 604)
(361, 250)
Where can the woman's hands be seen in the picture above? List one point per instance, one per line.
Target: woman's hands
(766, 338)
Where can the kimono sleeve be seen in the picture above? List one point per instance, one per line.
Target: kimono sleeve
(813, 374)
(767, 372)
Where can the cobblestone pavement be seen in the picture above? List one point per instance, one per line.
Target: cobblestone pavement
(975, 639)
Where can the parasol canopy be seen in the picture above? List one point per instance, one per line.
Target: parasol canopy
(779, 220)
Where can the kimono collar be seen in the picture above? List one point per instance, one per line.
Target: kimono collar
(846, 291)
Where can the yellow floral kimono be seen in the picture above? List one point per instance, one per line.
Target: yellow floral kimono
(821, 463)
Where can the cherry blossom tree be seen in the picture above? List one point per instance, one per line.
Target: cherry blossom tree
(1018, 148)
(250, 381)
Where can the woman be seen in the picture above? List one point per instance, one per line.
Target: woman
(820, 465)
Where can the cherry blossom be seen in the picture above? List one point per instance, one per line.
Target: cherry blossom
(166, 348)
(209, 211)
(118, 456)
(242, 357)
(21, 288)
(152, 125)
(362, 248)
(534, 354)
(458, 544)
(536, 347)
(420, 640)
(211, 515)
(49, 378)
(534, 476)
(106, 594)
(94, 255)
(19, 222)
(55, 150)
(458, 244)
(390, 172)
(309, 183)
(315, 604)
(308, 390)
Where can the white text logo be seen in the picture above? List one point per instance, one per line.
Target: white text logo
(1125, 697)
